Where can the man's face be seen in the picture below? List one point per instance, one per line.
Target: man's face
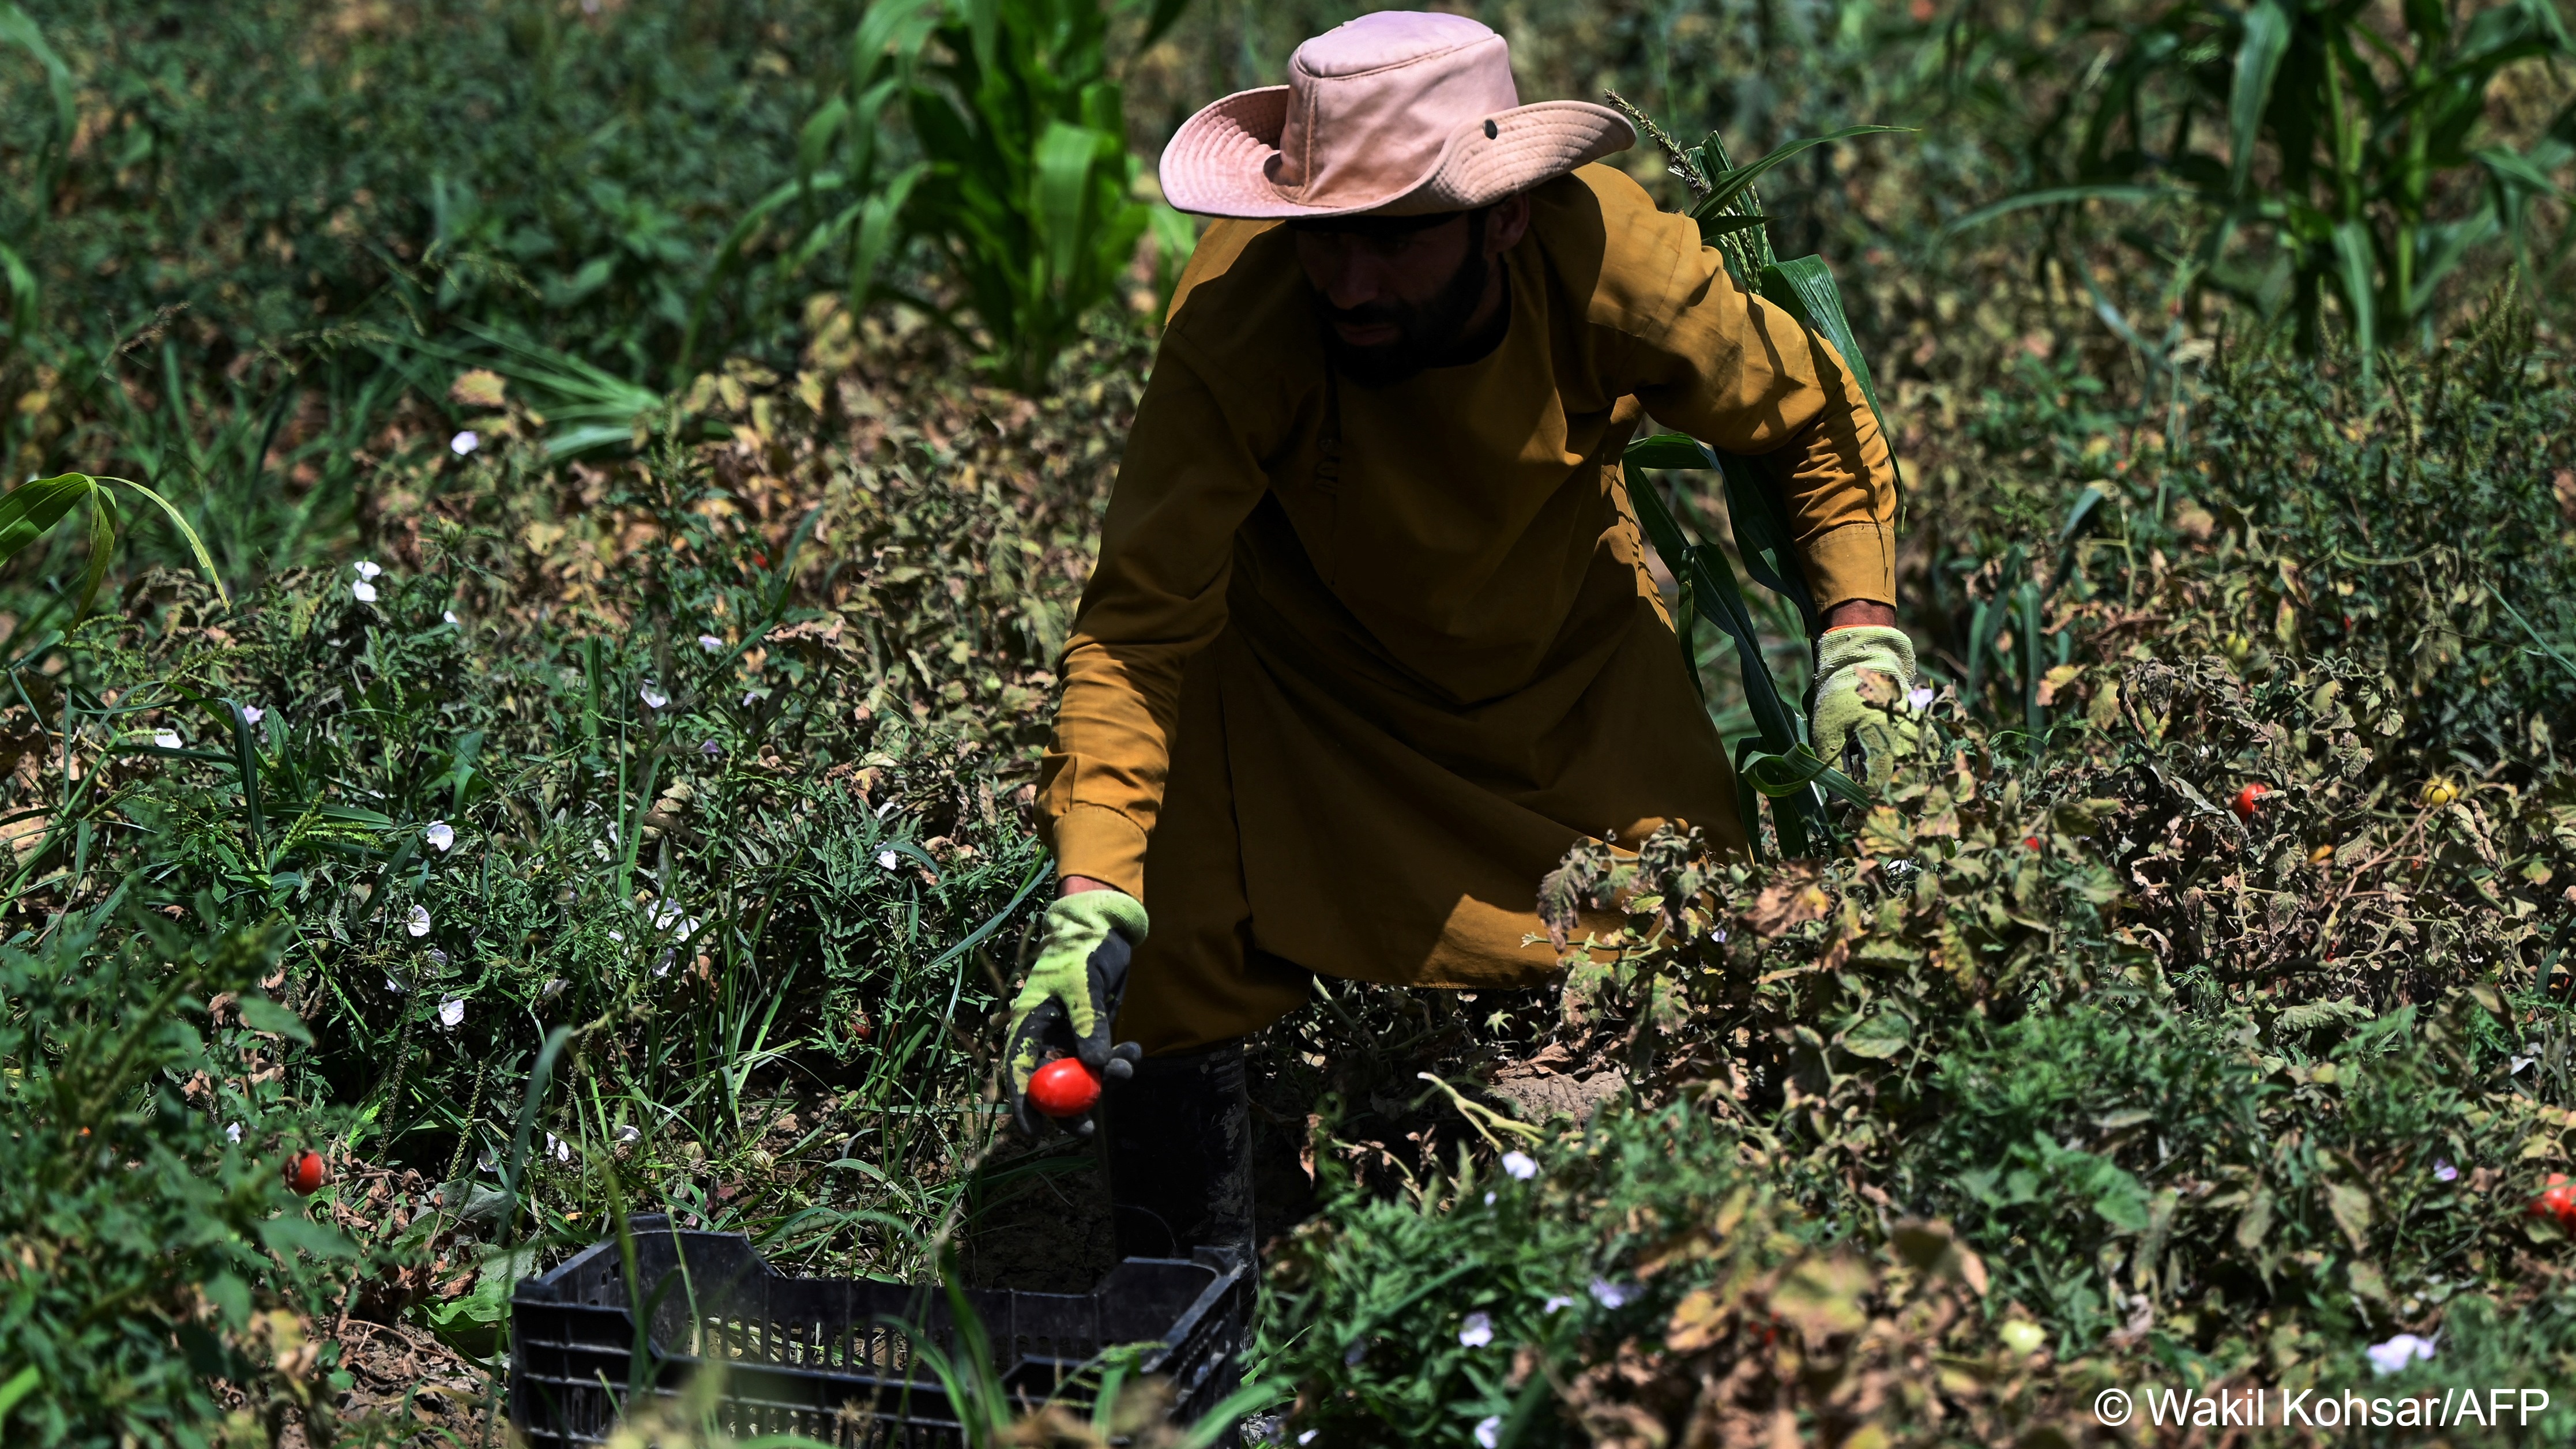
(1395, 294)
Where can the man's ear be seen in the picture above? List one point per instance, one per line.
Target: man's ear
(1507, 223)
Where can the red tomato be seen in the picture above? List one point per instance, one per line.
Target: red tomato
(2030, 842)
(2247, 798)
(306, 1172)
(2557, 1200)
(1064, 1088)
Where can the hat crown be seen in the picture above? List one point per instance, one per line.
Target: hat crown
(1371, 103)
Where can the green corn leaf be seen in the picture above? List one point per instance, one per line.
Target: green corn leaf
(2357, 270)
(102, 548)
(196, 545)
(1059, 183)
(878, 230)
(1794, 771)
(36, 505)
(2258, 63)
(1805, 286)
(1725, 186)
(1669, 450)
(2061, 195)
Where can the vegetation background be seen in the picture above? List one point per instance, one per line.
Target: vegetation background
(646, 453)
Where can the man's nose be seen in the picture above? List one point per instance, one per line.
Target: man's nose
(1353, 279)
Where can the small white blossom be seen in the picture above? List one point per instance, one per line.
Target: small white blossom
(561, 1149)
(166, 739)
(253, 714)
(487, 1162)
(628, 1134)
(618, 936)
(464, 443)
(1520, 1165)
(1476, 1331)
(450, 616)
(750, 697)
(233, 1132)
(363, 592)
(2445, 1172)
(436, 956)
(1555, 1302)
(885, 860)
(396, 987)
(1309, 1436)
(2387, 1358)
(451, 1012)
(600, 848)
(1489, 1199)
(1609, 1294)
(1489, 1431)
(1918, 699)
(712, 750)
(417, 922)
(710, 643)
(440, 835)
(662, 967)
(366, 569)
(654, 698)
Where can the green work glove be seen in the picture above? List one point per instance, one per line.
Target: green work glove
(1878, 720)
(1071, 996)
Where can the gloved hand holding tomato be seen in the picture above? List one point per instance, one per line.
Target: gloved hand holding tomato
(1058, 1049)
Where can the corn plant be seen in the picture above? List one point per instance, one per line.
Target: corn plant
(2357, 150)
(1022, 181)
(32, 508)
(1776, 760)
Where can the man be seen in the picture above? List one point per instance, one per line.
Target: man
(1371, 643)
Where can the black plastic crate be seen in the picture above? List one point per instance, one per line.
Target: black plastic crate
(817, 1357)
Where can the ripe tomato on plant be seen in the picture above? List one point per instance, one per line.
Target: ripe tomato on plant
(305, 1172)
(2248, 798)
(1064, 1088)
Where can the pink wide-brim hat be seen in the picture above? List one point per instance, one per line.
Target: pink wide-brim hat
(1400, 113)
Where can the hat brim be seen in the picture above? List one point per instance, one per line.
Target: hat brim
(1216, 164)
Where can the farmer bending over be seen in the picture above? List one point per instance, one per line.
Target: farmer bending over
(1371, 643)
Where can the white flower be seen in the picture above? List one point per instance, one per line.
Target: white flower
(440, 835)
(628, 1134)
(450, 616)
(654, 698)
(166, 739)
(1489, 1199)
(1520, 1165)
(396, 987)
(233, 1133)
(366, 568)
(1489, 1431)
(1555, 1302)
(253, 714)
(451, 1012)
(1476, 1331)
(487, 1162)
(618, 936)
(1309, 1436)
(710, 643)
(751, 697)
(600, 848)
(364, 592)
(2387, 1358)
(417, 922)
(561, 1149)
(885, 860)
(436, 956)
(2445, 1172)
(1609, 1294)
(464, 443)
(1919, 699)
(662, 967)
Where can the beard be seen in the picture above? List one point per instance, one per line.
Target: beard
(1430, 334)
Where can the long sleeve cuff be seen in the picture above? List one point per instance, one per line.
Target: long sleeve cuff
(1854, 561)
(1101, 844)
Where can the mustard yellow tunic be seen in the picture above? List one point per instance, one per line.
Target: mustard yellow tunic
(1357, 666)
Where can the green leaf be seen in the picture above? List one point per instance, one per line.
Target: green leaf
(1669, 450)
(2357, 270)
(1805, 287)
(2258, 63)
(1725, 186)
(1059, 183)
(1880, 1035)
(36, 505)
(20, 1384)
(102, 548)
(259, 1013)
(293, 1232)
(2060, 195)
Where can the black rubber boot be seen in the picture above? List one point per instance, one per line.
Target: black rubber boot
(1179, 1155)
